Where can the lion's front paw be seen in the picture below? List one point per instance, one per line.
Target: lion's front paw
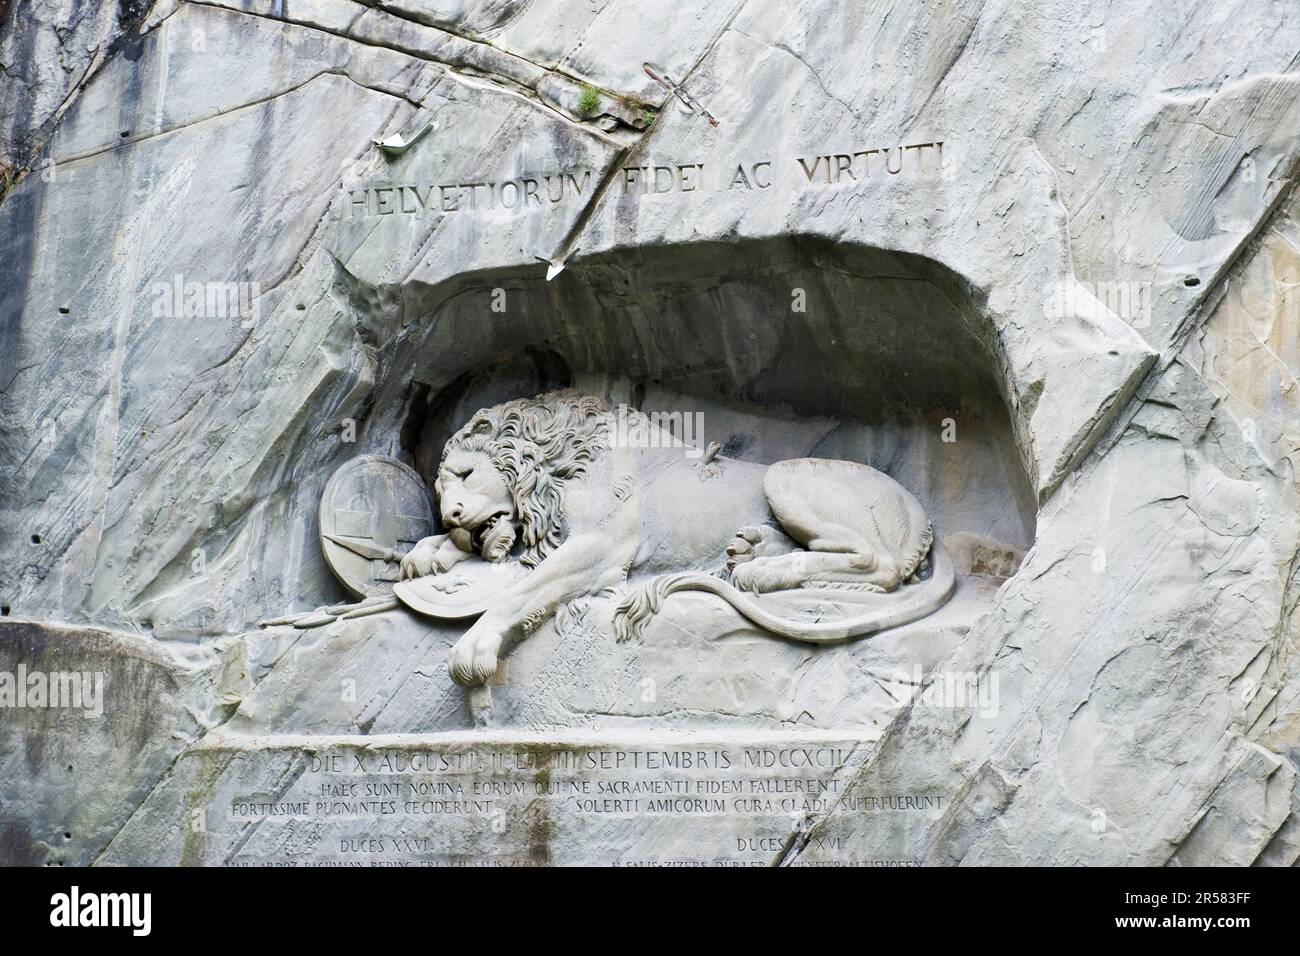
(485, 661)
(474, 659)
(420, 560)
(461, 662)
(432, 555)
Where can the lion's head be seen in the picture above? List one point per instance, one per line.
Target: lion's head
(510, 465)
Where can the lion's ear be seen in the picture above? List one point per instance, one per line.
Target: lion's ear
(481, 426)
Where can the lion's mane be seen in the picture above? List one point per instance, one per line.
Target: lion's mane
(539, 445)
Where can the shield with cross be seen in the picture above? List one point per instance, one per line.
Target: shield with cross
(373, 511)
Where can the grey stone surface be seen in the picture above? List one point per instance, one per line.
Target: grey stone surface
(1064, 236)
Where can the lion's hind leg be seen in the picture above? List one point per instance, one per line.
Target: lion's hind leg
(821, 504)
(851, 568)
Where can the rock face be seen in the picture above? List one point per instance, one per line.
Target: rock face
(1036, 263)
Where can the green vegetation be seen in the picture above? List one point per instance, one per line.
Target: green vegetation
(589, 102)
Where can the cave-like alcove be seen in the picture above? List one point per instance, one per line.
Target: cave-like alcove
(787, 348)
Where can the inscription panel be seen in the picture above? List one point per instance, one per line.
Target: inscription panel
(661, 800)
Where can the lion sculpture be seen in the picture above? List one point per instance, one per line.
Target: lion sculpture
(551, 482)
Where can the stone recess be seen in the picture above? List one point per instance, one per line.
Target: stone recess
(1072, 231)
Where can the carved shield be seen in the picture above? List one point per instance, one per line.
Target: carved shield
(373, 511)
(467, 590)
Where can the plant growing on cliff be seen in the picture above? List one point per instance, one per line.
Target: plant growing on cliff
(589, 102)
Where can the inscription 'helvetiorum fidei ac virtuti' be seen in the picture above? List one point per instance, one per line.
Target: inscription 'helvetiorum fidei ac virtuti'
(535, 191)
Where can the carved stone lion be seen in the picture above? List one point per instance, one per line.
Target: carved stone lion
(586, 496)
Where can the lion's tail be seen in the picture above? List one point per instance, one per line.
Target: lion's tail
(634, 613)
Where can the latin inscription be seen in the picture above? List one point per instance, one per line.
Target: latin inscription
(509, 195)
(412, 807)
(537, 192)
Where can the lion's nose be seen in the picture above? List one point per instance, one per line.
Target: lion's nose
(455, 513)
